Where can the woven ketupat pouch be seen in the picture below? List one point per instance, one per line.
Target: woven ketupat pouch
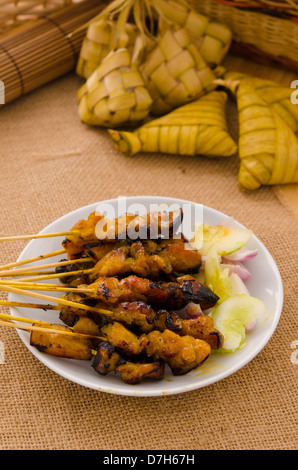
(268, 147)
(197, 128)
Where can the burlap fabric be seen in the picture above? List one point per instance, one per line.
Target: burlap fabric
(51, 164)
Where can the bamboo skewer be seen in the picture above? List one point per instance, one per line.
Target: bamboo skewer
(49, 275)
(8, 303)
(38, 235)
(20, 282)
(49, 298)
(32, 260)
(44, 266)
(21, 319)
(31, 327)
(23, 273)
(38, 287)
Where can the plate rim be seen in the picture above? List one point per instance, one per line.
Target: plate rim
(127, 391)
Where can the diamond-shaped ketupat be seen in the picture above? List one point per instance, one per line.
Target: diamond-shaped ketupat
(268, 147)
(197, 128)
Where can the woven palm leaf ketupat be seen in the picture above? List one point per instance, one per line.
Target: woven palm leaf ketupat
(162, 52)
(274, 94)
(99, 41)
(197, 128)
(115, 93)
(211, 38)
(175, 72)
(268, 147)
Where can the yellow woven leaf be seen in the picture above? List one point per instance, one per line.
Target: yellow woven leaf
(198, 128)
(272, 93)
(175, 72)
(268, 147)
(115, 93)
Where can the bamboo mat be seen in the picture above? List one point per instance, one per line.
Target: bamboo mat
(52, 164)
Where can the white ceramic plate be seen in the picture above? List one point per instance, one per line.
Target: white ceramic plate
(265, 284)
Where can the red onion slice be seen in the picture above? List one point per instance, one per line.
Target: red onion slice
(239, 269)
(192, 310)
(242, 255)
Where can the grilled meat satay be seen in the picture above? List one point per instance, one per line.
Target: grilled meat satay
(105, 361)
(137, 315)
(149, 259)
(128, 226)
(134, 373)
(199, 328)
(97, 250)
(61, 345)
(125, 342)
(171, 295)
(77, 279)
(108, 360)
(141, 317)
(181, 353)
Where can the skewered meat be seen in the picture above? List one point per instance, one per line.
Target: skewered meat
(181, 353)
(134, 314)
(127, 226)
(108, 360)
(124, 341)
(71, 347)
(149, 259)
(77, 279)
(142, 318)
(170, 295)
(134, 373)
(199, 328)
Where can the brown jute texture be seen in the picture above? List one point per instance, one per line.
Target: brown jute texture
(51, 164)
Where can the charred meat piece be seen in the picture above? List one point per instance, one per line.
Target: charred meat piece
(165, 320)
(134, 373)
(106, 359)
(199, 328)
(203, 328)
(196, 292)
(97, 250)
(181, 353)
(81, 324)
(183, 258)
(77, 298)
(71, 347)
(149, 259)
(137, 314)
(75, 279)
(125, 342)
(170, 295)
(84, 232)
(128, 226)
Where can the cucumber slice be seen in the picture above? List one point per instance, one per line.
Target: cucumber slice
(232, 316)
(216, 278)
(227, 239)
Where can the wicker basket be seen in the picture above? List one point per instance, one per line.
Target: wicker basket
(265, 30)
